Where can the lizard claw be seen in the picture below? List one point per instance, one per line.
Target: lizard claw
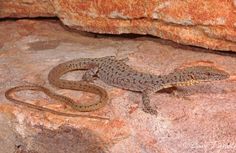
(151, 111)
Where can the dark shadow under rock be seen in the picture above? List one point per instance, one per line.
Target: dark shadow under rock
(63, 140)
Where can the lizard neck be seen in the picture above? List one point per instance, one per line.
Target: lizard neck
(182, 79)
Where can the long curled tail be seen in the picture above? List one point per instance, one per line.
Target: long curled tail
(53, 95)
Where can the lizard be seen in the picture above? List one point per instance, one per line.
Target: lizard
(117, 73)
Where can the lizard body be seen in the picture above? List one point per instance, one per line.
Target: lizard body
(116, 73)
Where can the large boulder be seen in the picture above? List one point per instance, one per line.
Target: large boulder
(209, 24)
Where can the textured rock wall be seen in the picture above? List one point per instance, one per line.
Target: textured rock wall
(209, 24)
(26, 8)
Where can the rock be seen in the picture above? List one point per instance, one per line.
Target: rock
(196, 119)
(209, 24)
(26, 8)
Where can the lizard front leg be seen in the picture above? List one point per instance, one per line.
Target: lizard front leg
(146, 103)
(90, 74)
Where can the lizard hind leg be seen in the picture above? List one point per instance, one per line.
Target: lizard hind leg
(146, 103)
(90, 75)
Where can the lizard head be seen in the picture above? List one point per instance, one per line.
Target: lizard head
(206, 73)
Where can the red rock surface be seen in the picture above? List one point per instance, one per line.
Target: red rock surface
(26, 8)
(196, 119)
(209, 24)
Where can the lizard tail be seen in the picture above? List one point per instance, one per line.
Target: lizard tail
(67, 100)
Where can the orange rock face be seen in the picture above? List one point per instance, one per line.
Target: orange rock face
(209, 24)
(26, 8)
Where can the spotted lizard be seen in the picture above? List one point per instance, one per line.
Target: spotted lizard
(116, 73)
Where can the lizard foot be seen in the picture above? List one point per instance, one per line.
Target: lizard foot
(151, 111)
(89, 75)
(146, 103)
